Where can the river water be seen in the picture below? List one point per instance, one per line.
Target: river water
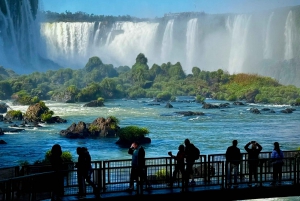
(212, 133)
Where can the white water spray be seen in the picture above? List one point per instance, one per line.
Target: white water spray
(289, 34)
(268, 45)
(191, 41)
(167, 42)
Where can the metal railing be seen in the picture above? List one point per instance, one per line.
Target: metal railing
(114, 175)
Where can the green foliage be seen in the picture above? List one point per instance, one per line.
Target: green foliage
(162, 175)
(94, 128)
(200, 99)
(15, 114)
(66, 157)
(132, 133)
(164, 96)
(47, 116)
(24, 98)
(100, 99)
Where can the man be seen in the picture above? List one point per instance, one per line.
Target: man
(190, 160)
(233, 157)
(253, 160)
(138, 167)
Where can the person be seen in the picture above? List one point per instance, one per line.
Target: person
(190, 161)
(179, 167)
(57, 166)
(277, 162)
(253, 160)
(233, 157)
(84, 171)
(138, 167)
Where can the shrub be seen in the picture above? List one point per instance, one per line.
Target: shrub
(66, 157)
(162, 175)
(14, 114)
(200, 99)
(132, 133)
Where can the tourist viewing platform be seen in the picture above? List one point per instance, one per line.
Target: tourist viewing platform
(34, 182)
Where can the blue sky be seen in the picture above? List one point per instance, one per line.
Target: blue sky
(157, 8)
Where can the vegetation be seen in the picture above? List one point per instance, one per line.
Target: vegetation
(131, 133)
(14, 114)
(99, 81)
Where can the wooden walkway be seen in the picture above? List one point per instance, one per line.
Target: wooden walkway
(243, 192)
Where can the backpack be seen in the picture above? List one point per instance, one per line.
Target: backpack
(196, 153)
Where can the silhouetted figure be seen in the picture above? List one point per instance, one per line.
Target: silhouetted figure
(138, 167)
(190, 161)
(57, 166)
(233, 157)
(277, 162)
(179, 167)
(84, 171)
(253, 160)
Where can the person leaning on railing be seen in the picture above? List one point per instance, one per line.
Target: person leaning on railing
(253, 160)
(57, 166)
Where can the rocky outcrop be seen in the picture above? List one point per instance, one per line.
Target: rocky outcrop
(254, 111)
(65, 97)
(95, 103)
(168, 105)
(189, 113)
(127, 143)
(3, 107)
(238, 103)
(100, 127)
(288, 110)
(210, 106)
(2, 142)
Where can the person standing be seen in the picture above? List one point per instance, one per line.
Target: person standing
(84, 171)
(179, 167)
(190, 161)
(277, 162)
(138, 167)
(253, 160)
(233, 157)
(57, 166)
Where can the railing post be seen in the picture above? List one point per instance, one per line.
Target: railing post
(223, 181)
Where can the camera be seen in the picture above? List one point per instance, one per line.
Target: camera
(253, 142)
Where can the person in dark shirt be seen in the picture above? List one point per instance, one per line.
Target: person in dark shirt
(190, 161)
(138, 166)
(179, 167)
(57, 166)
(84, 171)
(253, 160)
(233, 157)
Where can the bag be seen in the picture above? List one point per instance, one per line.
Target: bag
(196, 153)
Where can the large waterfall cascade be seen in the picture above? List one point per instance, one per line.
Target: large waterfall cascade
(233, 42)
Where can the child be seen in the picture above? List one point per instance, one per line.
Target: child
(179, 163)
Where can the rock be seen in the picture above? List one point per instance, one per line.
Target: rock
(2, 142)
(224, 105)
(254, 111)
(126, 143)
(189, 113)
(238, 103)
(3, 107)
(34, 113)
(168, 105)
(94, 103)
(287, 110)
(210, 106)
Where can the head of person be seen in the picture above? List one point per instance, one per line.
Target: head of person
(253, 145)
(181, 147)
(234, 143)
(79, 150)
(56, 150)
(187, 142)
(135, 144)
(276, 146)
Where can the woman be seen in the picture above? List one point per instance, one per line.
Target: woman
(277, 162)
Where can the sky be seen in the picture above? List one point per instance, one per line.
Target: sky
(157, 8)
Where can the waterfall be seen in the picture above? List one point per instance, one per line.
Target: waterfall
(268, 44)
(97, 34)
(167, 42)
(20, 38)
(238, 49)
(130, 40)
(68, 43)
(288, 33)
(191, 41)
